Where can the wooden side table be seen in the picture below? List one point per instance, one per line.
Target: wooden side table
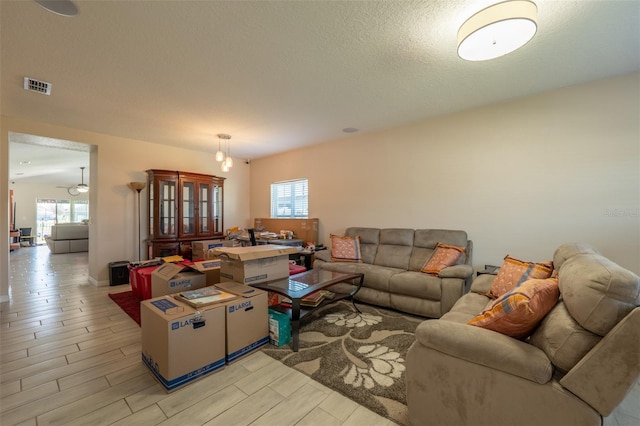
(14, 240)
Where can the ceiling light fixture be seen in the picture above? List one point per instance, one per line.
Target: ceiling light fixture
(59, 7)
(220, 154)
(227, 161)
(497, 30)
(82, 187)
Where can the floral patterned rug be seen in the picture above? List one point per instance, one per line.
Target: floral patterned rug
(361, 356)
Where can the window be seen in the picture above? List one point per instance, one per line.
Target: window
(290, 199)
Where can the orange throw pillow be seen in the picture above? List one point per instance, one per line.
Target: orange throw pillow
(345, 249)
(514, 272)
(445, 255)
(518, 312)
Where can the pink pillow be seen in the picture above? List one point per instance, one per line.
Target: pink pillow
(345, 249)
(518, 312)
(445, 255)
(514, 272)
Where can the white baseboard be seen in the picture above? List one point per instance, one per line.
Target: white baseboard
(98, 283)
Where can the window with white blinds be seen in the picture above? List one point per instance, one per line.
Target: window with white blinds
(290, 199)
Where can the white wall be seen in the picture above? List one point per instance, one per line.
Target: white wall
(520, 177)
(114, 163)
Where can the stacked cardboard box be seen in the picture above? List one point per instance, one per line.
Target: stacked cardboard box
(199, 249)
(172, 278)
(254, 264)
(181, 343)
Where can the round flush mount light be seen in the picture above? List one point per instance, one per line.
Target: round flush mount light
(59, 7)
(497, 30)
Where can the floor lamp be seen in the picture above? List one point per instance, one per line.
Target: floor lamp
(138, 186)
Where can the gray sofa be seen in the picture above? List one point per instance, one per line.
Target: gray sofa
(68, 238)
(574, 369)
(392, 259)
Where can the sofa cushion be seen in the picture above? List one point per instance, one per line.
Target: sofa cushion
(416, 284)
(563, 340)
(514, 272)
(467, 307)
(568, 250)
(444, 256)
(369, 240)
(395, 248)
(597, 292)
(345, 249)
(517, 312)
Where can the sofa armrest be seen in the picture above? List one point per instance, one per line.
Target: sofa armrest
(486, 347)
(606, 373)
(323, 255)
(482, 283)
(456, 271)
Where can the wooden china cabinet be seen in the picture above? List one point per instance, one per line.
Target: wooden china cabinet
(183, 207)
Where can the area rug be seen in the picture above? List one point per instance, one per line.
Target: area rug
(361, 356)
(129, 303)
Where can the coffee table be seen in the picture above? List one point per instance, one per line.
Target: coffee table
(298, 286)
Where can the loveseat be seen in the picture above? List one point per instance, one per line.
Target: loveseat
(68, 238)
(391, 261)
(575, 368)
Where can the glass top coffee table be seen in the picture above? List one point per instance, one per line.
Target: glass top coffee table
(296, 287)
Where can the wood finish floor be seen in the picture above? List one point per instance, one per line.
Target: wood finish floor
(70, 356)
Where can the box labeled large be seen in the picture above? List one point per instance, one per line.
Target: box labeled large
(247, 320)
(254, 264)
(173, 278)
(210, 268)
(181, 344)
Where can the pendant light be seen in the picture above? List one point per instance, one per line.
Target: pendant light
(227, 161)
(82, 187)
(220, 154)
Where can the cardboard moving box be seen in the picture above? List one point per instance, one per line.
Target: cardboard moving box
(254, 264)
(181, 344)
(199, 249)
(247, 320)
(210, 268)
(172, 278)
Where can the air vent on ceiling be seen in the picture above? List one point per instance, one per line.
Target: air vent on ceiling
(37, 86)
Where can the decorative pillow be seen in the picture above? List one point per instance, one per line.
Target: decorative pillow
(518, 312)
(443, 256)
(345, 249)
(514, 272)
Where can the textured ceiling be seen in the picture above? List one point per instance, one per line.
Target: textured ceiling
(277, 75)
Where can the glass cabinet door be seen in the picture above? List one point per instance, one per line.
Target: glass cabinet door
(151, 208)
(204, 215)
(217, 209)
(167, 208)
(188, 208)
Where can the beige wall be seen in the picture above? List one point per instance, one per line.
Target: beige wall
(520, 177)
(114, 163)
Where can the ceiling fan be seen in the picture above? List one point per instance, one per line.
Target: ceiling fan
(81, 188)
